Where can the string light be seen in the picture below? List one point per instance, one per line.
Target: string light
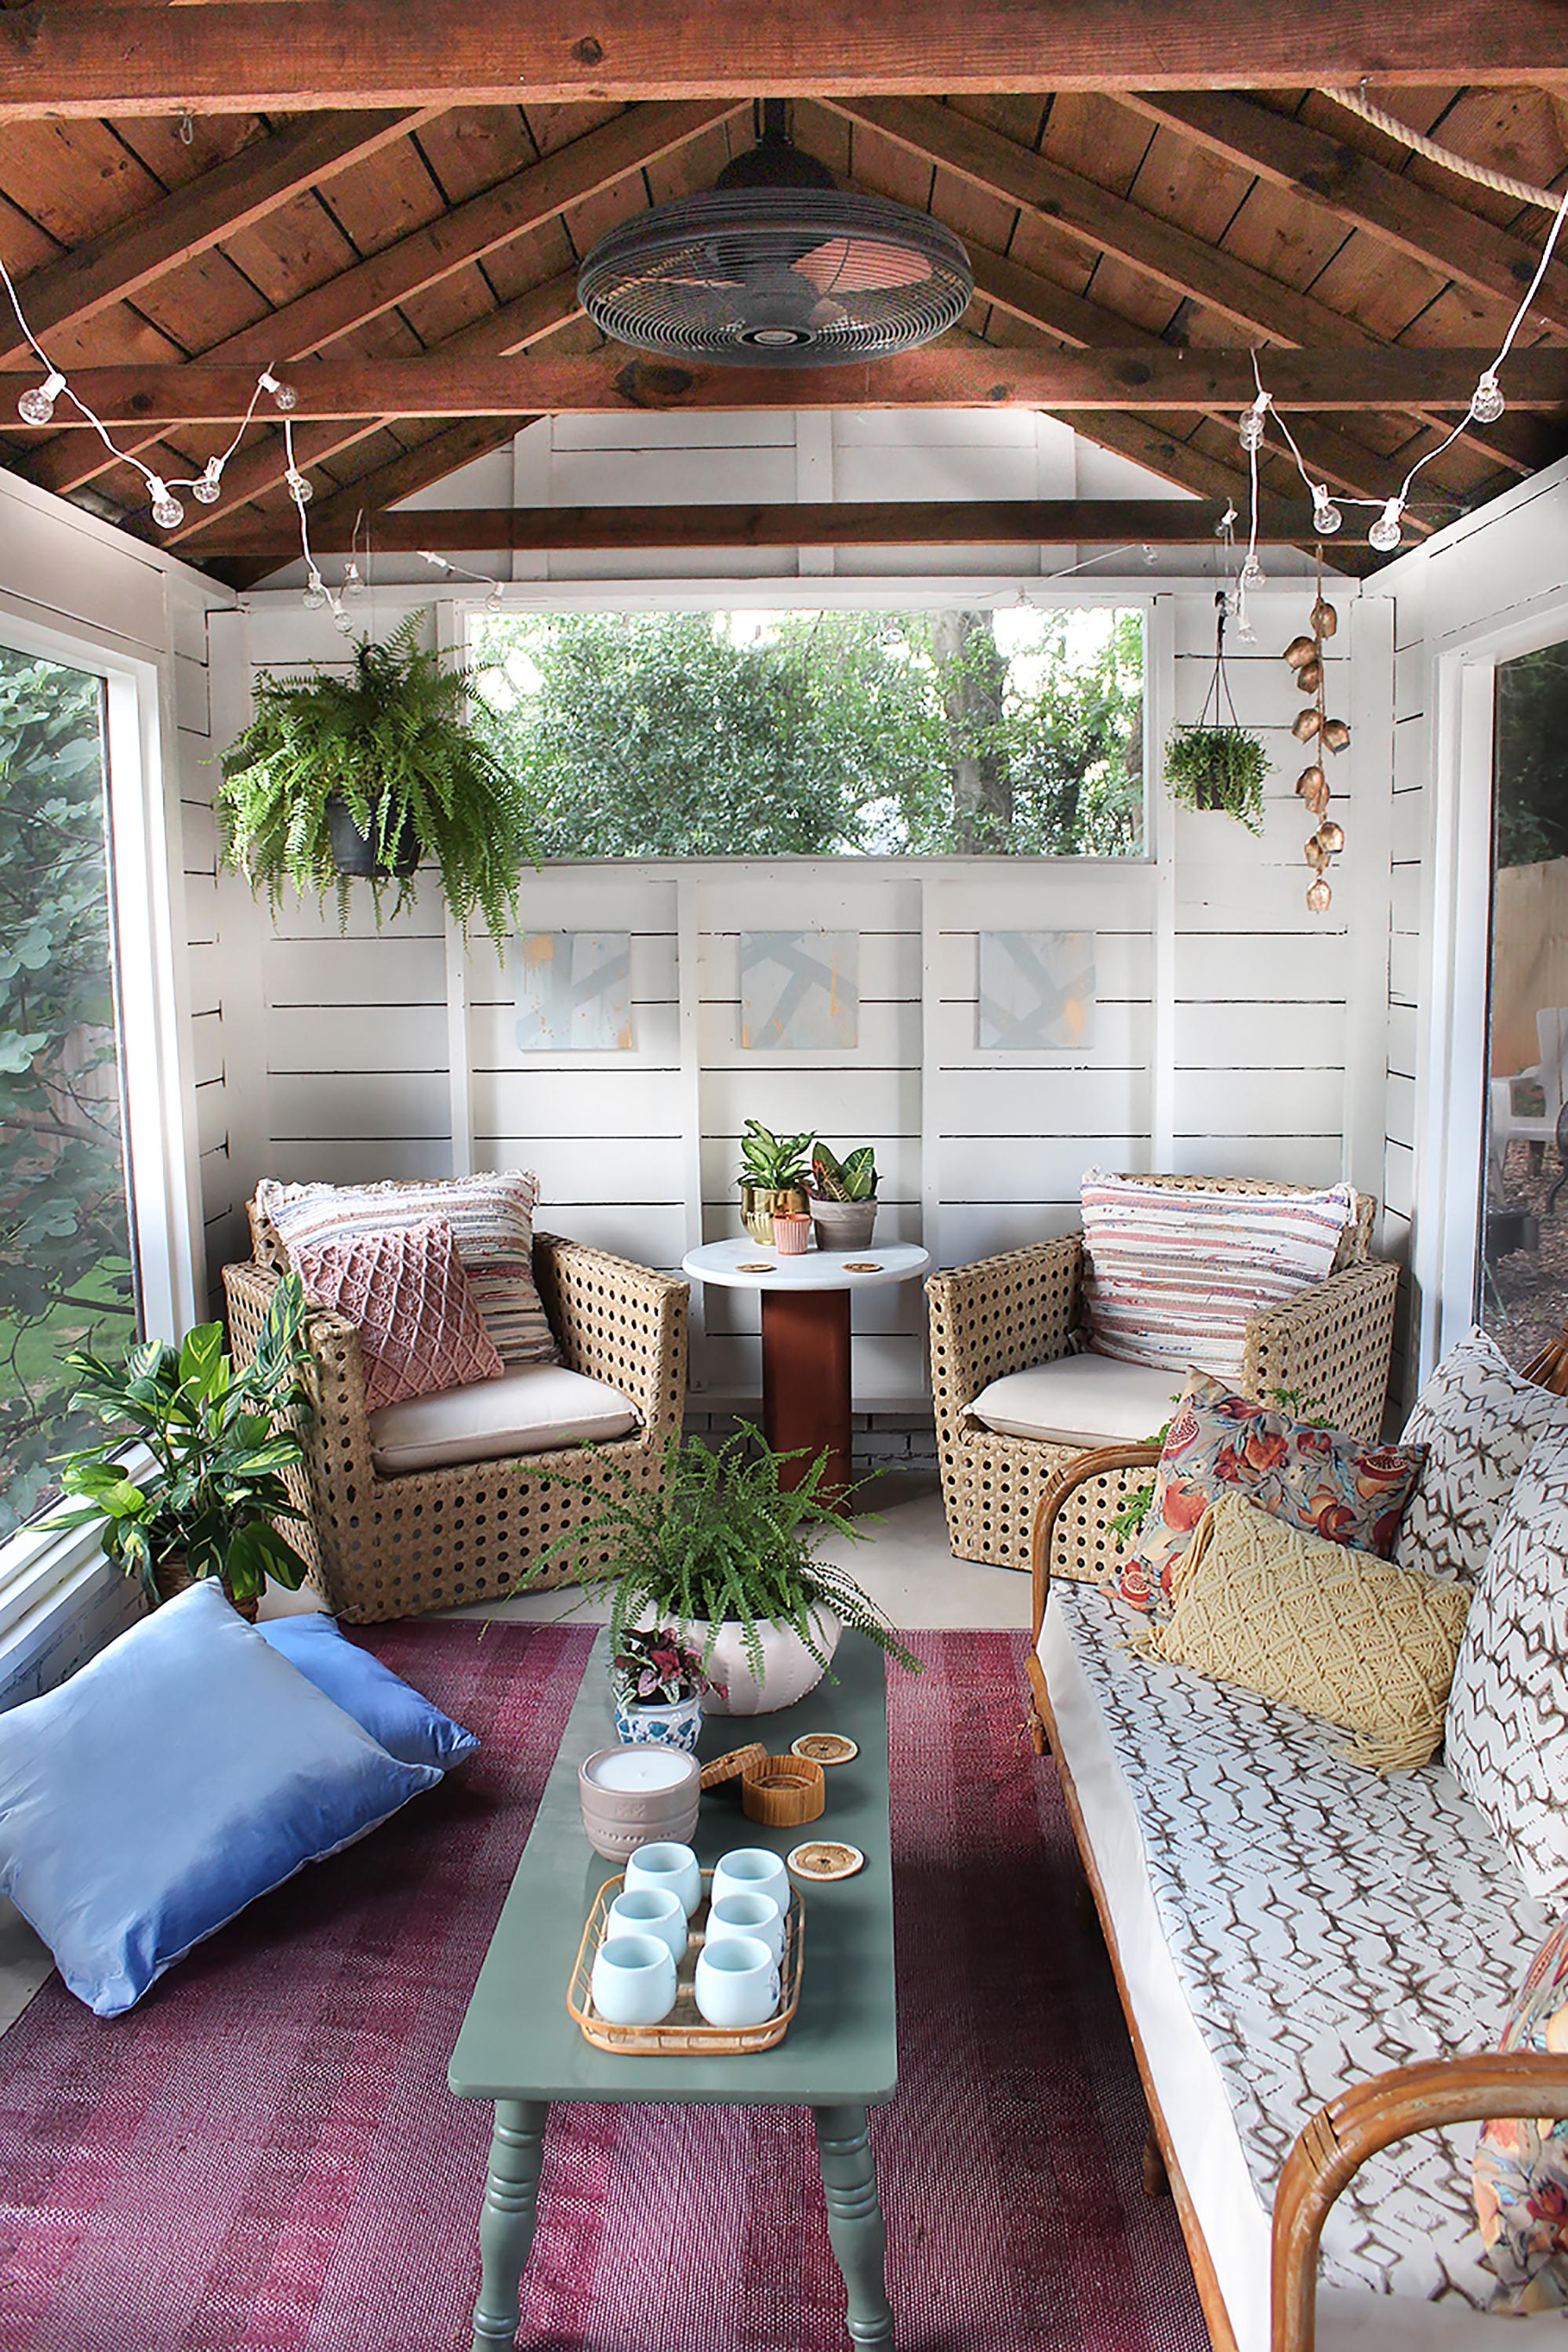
(353, 583)
(1326, 517)
(1385, 534)
(496, 588)
(166, 508)
(300, 489)
(207, 489)
(1487, 402)
(284, 396)
(37, 404)
(1252, 421)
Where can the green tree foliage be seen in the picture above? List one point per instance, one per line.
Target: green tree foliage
(696, 734)
(1532, 757)
(65, 1267)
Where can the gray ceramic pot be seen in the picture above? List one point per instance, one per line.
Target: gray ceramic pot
(843, 1225)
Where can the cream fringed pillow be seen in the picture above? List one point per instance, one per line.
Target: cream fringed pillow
(1307, 1623)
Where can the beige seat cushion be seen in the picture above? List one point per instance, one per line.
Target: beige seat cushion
(1080, 1401)
(531, 1410)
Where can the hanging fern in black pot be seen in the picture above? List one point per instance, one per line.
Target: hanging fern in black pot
(366, 775)
(1219, 765)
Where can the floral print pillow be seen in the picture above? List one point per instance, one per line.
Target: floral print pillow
(1316, 1479)
(1520, 2165)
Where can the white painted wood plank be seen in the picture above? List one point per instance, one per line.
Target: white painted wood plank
(1048, 1171)
(873, 1102)
(888, 1035)
(211, 1117)
(623, 1104)
(653, 1237)
(1401, 1040)
(348, 1161)
(1399, 1179)
(1001, 1101)
(1260, 967)
(1123, 959)
(402, 1103)
(1260, 1102)
(1118, 1034)
(1259, 1037)
(1404, 959)
(357, 1038)
(1412, 827)
(207, 1048)
(355, 971)
(978, 1229)
(1401, 1105)
(1283, 1160)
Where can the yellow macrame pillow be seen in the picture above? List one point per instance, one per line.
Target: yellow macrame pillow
(1309, 1625)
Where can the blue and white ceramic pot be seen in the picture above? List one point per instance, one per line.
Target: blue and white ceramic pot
(675, 1725)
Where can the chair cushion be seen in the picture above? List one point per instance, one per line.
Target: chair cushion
(419, 1326)
(1173, 1276)
(533, 1409)
(1317, 1479)
(184, 1771)
(396, 1716)
(1080, 1401)
(1521, 2165)
(1479, 1420)
(1507, 1712)
(1315, 1625)
(492, 1217)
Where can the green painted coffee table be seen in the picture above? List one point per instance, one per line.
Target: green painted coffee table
(520, 2046)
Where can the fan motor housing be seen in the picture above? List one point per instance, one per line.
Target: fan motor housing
(781, 276)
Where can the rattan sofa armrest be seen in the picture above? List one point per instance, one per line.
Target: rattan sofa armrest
(335, 1374)
(620, 1323)
(1001, 1315)
(1332, 1345)
(1125, 1465)
(1371, 2116)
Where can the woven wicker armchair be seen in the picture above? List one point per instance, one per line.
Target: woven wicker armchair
(391, 1547)
(1332, 1344)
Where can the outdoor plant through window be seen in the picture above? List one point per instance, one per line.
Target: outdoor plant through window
(66, 1278)
(955, 732)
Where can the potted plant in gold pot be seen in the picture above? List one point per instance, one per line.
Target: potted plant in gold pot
(772, 1177)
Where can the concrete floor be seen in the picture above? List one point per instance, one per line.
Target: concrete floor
(904, 1564)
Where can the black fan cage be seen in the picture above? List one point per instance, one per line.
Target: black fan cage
(792, 277)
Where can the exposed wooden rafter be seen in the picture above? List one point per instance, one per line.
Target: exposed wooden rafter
(977, 376)
(243, 56)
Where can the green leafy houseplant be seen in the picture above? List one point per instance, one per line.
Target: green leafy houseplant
(775, 1163)
(220, 1458)
(396, 745)
(853, 1178)
(725, 1541)
(1218, 768)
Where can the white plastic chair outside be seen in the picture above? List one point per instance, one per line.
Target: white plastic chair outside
(1550, 1073)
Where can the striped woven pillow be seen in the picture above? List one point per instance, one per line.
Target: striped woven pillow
(491, 1218)
(1172, 1277)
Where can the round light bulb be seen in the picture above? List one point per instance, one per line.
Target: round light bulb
(37, 404)
(1319, 897)
(1326, 515)
(1252, 575)
(1487, 402)
(343, 622)
(284, 396)
(208, 489)
(315, 593)
(495, 592)
(1384, 532)
(1251, 432)
(166, 508)
(354, 585)
(300, 489)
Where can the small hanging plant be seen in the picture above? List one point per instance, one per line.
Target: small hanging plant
(1219, 765)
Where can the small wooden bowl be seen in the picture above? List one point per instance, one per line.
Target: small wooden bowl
(783, 1791)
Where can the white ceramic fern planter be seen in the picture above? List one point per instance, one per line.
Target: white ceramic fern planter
(789, 1670)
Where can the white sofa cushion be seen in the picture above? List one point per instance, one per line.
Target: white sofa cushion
(1479, 1421)
(1080, 1401)
(533, 1409)
(1287, 1925)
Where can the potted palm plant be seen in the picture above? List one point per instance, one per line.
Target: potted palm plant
(771, 1178)
(365, 775)
(217, 1489)
(843, 1196)
(723, 1553)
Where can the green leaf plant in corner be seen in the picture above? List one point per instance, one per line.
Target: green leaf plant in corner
(368, 773)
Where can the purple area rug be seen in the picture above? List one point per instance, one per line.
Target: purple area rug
(265, 2155)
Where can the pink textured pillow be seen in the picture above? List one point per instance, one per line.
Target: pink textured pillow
(406, 1290)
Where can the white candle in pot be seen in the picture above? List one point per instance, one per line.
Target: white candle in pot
(642, 1767)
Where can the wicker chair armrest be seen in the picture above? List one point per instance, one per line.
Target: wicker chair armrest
(1332, 1345)
(618, 1322)
(1057, 1522)
(1371, 2116)
(1001, 1315)
(335, 1375)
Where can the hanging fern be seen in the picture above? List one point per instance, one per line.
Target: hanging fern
(396, 741)
(1218, 768)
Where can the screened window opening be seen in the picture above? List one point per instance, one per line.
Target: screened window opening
(954, 733)
(66, 1266)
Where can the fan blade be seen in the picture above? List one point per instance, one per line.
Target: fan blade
(858, 265)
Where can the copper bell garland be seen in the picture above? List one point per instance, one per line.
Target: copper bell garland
(1313, 725)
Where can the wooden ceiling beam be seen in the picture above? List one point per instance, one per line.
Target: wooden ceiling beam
(956, 522)
(233, 195)
(498, 216)
(975, 375)
(1105, 223)
(1336, 177)
(57, 56)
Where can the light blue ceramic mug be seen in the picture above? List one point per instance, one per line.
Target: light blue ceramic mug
(736, 1981)
(649, 1911)
(633, 1979)
(747, 1915)
(751, 1870)
(672, 1869)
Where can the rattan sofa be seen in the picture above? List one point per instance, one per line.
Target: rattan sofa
(1334, 1344)
(382, 1547)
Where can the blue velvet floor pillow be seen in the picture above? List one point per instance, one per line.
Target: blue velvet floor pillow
(406, 1723)
(183, 1771)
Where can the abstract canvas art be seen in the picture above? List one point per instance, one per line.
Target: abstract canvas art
(573, 991)
(799, 990)
(1036, 990)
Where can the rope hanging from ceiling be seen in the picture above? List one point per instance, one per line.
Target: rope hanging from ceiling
(1357, 102)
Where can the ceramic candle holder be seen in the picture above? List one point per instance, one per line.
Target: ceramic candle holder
(638, 1796)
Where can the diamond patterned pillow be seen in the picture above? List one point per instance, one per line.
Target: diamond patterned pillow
(1508, 1711)
(1479, 1420)
(1520, 2165)
(419, 1327)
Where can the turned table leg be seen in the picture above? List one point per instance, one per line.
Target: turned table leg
(855, 2221)
(507, 2219)
(806, 1382)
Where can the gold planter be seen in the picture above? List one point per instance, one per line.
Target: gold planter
(758, 1203)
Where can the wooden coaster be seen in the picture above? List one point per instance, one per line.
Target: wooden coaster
(824, 1747)
(757, 1265)
(862, 1265)
(732, 1764)
(820, 1862)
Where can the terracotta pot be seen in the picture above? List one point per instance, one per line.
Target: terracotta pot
(844, 1225)
(758, 1203)
(791, 1233)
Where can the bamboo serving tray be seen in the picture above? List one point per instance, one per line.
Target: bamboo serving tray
(685, 2032)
